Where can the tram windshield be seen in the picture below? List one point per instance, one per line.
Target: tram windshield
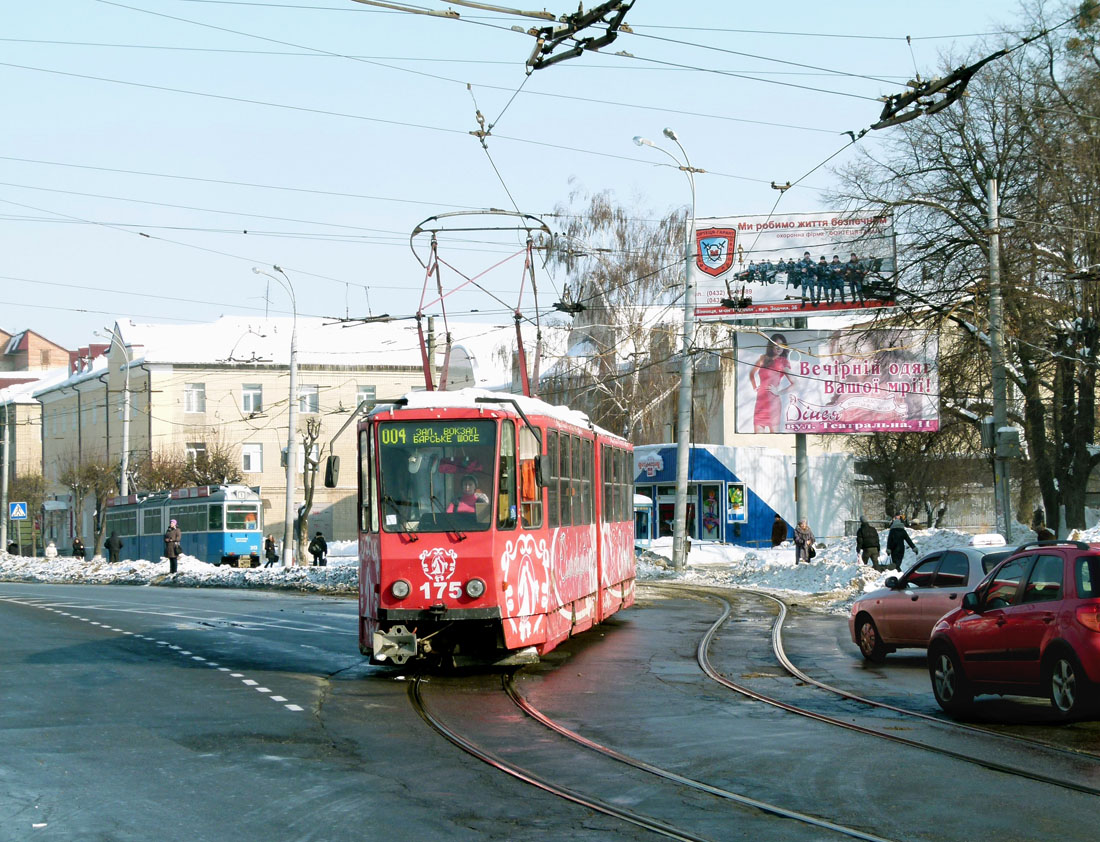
(437, 476)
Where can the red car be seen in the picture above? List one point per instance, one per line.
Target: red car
(1031, 628)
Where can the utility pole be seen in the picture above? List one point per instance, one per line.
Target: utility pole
(4, 480)
(801, 465)
(1002, 501)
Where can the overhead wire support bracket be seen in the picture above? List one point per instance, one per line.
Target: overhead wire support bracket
(549, 38)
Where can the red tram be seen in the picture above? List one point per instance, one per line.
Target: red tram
(491, 527)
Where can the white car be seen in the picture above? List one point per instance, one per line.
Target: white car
(903, 613)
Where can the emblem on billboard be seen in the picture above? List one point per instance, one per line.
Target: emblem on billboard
(438, 564)
(714, 249)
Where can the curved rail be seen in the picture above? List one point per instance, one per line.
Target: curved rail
(703, 658)
(526, 776)
(763, 806)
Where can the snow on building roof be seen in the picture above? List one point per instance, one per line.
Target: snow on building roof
(37, 381)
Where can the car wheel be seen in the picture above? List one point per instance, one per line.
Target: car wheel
(1067, 686)
(949, 683)
(870, 644)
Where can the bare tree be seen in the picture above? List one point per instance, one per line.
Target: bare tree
(31, 489)
(1029, 122)
(102, 477)
(162, 471)
(623, 278)
(311, 435)
(73, 475)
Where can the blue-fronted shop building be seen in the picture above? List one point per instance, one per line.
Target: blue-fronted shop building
(734, 493)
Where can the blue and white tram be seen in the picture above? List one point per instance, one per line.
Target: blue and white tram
(221, 524)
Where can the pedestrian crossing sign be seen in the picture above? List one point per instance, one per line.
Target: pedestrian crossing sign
(17, 511)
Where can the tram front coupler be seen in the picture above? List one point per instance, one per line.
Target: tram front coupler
(396, 645)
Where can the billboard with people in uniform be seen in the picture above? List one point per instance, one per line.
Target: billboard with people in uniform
(792, 264)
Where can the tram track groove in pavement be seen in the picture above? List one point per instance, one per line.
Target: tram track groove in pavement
(703, 659)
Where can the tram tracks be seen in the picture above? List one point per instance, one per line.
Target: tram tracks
(705, 663)
(603, 805)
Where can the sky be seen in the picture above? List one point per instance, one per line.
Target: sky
(156, 151)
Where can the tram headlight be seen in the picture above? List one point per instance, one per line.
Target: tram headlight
(475, 588)
(400, 589)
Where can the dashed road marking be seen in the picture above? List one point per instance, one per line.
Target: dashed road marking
(178, 649)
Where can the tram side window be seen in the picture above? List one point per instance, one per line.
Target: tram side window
(605, 483)
(628, 486)
(151, 523)
(587, 480)
(552, 514)
(530, 495)
(567, 490)
(576, 480)
(506, 504)
(368, 513)
(215, 519)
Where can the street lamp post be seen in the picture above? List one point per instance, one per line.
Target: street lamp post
(124, 464)
(683, 412)
(292, 417)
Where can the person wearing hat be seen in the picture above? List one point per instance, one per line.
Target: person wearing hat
(172, 538)
(318, 549)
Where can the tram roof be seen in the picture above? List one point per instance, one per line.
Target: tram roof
(470, 399)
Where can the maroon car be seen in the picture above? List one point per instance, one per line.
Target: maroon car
(1032, 627)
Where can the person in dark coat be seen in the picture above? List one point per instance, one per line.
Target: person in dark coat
(318, 548)
(269, 551)
(114, 546)
(803, 542)
(172, 549)
(779, 531)
(78, 548)
(867, 543)
(13, 548)
(896, 540)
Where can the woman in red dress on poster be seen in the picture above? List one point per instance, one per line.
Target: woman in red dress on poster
(766, 378)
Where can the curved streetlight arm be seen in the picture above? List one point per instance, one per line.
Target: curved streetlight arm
(292, 417)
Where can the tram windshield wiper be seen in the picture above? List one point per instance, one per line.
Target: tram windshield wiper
(403, 523)
(459, 534)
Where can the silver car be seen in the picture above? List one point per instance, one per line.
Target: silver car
(903, 613)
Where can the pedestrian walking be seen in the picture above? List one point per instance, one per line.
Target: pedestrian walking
(78, 547)
(896, 540)
(779, 531)
(803, 542)
(172, 548)
(13, 548)
(269, 551)
(867, 544)
(51, 550)
(318, 548)
(114, 547)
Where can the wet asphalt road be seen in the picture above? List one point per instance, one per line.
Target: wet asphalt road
(215, 715)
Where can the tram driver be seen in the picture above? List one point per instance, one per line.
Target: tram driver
(470, 496)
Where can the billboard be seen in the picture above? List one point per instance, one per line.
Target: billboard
(792, 264)
(837, 381)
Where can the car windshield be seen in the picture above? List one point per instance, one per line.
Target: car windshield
(437, 476)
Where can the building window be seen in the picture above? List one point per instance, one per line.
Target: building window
(365, 393)
(308, 400)
(252, 458)
(195, 451)
(194, 397)
(252, 397)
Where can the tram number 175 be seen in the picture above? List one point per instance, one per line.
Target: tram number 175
(450, 589)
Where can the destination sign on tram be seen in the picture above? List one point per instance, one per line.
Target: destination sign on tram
(434, 433)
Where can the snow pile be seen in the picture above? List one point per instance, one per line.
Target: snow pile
(831, 581)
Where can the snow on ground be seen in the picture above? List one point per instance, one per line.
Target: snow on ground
(831, 581)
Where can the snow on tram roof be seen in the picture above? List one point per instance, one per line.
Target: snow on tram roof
(468, 399)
